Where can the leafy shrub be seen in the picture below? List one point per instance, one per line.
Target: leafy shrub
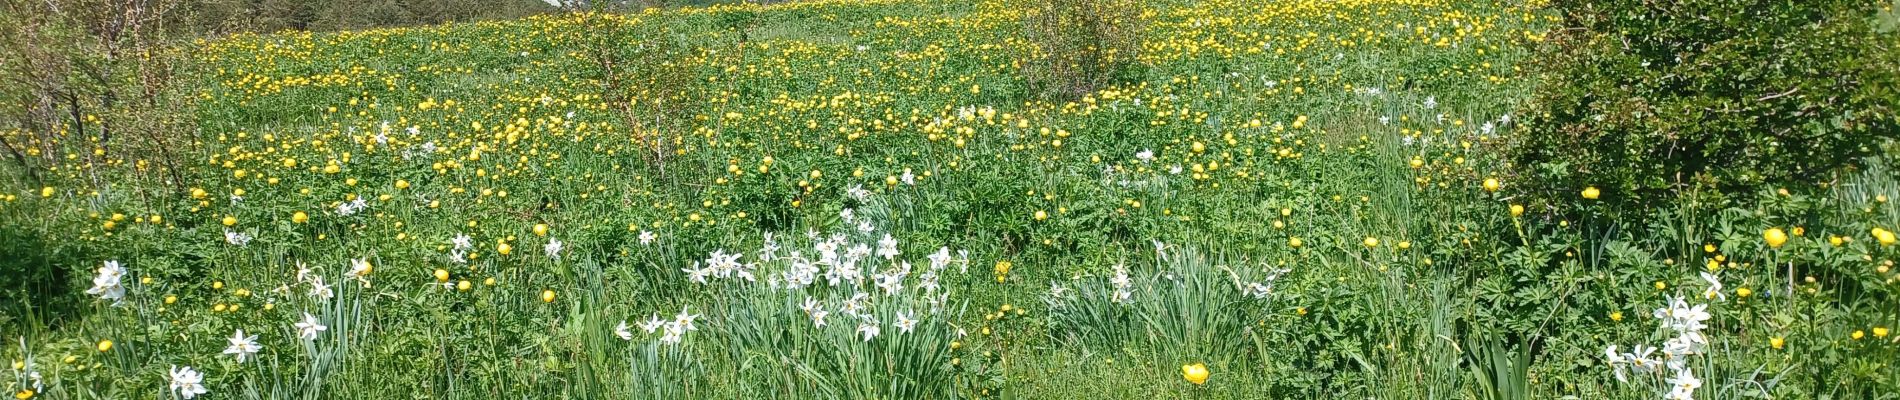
(1078, 46)
(1649, 98)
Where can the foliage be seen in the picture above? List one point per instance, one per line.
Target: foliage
(1708, 98)
(1079, 46)
(1305, 198)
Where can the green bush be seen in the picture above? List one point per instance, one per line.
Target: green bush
(1652, 100)
(1079, 46)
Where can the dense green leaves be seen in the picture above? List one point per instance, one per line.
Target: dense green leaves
(1651, 100)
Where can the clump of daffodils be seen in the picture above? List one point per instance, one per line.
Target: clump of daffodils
(847, 275)
(671, 332)
(1687, 322)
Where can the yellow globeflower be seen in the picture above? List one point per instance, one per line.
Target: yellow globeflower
(547, 296)
(1002, 267)
(197, 193)
(1293, 242)
(1196, 373)
(1491, 184)
(463, 285)
(1775, 237)
(299, 217)
(540, 229)
(503, 248)
(1884, 236)
(442, 275)
(1777, 343)
(229, 220)
(402, 184)
(1517, 210)
(46, 191)
(1591, 193)
(24, 394)
(1880, 331)
(105, 345)
(1042, 215)
(1371, 242)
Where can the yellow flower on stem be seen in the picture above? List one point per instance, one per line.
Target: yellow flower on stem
(1196, 373)
(1775, 237)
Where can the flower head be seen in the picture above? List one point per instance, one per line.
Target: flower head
(309, 327)
(106, 284)
(906, 321)
(186, 382)
(242, 346)
(623, 331)
(1196, 373)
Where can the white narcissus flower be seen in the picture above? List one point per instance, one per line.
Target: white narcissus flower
(906, 321)
(553, 248)
(319, 289)
(309, 327)
(818, 317)
(867, 325)
(359, 266)
(1617, 362)
(685, 320)
(653, 324)
(672, 333)
(1683, 385)
(236, 238)
(242, 346)
(107, 284)
(887, 247)
(697, 275)
(1714, 292)
(186, 382)
(623, 331)
(1640, 359)
(646, 237)
(891, 283)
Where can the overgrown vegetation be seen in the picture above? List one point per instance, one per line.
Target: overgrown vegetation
(1709, 98)
(849, 199)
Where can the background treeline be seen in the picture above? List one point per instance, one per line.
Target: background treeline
(229, 16)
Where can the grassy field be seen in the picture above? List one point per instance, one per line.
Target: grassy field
(831, 199)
